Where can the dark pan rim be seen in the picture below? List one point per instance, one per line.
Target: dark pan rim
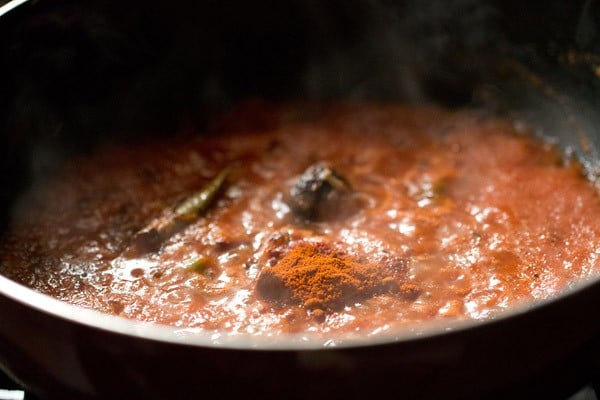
(197, 337)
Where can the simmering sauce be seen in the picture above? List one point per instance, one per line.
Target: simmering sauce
(351, 220)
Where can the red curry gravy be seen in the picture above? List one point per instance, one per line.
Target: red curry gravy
(431, 215)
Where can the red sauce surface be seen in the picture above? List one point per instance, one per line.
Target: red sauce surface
(457, 216)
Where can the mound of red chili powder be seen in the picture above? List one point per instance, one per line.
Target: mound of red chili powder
(320, 278)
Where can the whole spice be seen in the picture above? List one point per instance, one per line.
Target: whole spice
(198, 202)
(152, 236)
(320, 193)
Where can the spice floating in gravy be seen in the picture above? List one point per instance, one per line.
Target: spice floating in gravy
(320, 193)
(151, 237)
(351, 220)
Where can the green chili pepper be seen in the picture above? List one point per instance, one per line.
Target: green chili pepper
(199, 265)
(150, 239)
(199, 202)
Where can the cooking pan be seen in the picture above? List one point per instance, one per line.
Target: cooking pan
(75, 75)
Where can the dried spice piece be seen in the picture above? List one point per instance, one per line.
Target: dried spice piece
(319, 193)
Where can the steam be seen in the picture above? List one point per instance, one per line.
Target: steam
(587, 26)
(400, 48)
(88, 73)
